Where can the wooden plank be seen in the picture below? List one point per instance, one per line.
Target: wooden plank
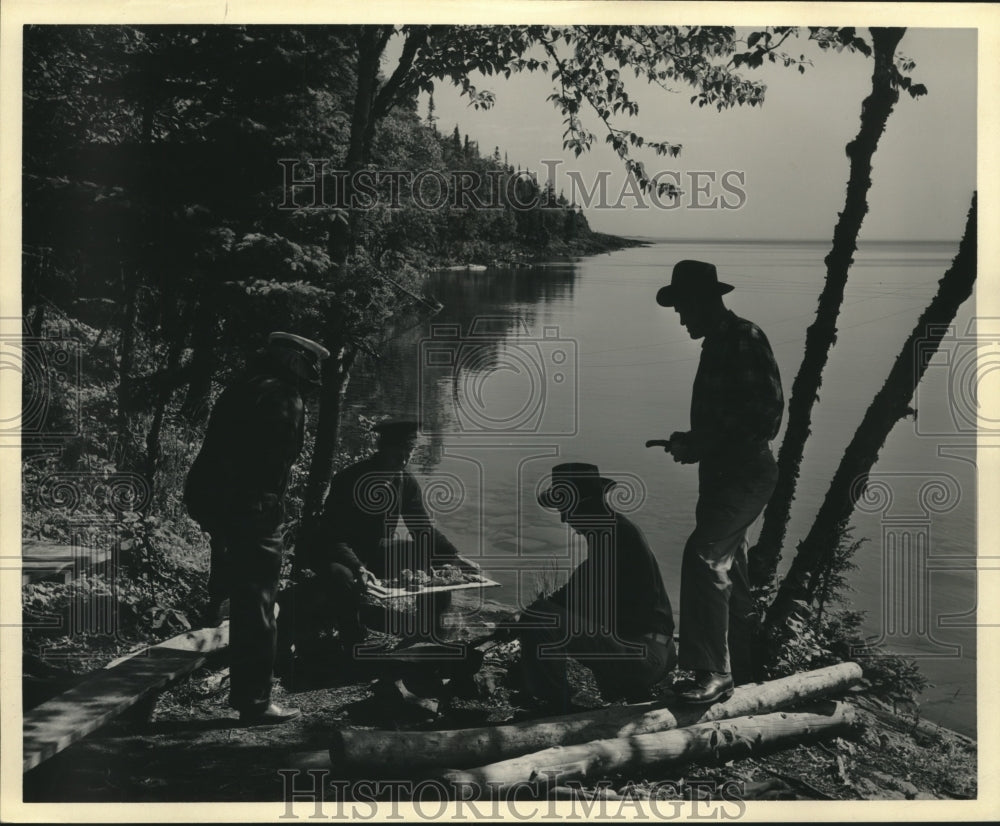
(385, 592)
(203, 640)
(57, 723)
(45, 560)
(60, 722)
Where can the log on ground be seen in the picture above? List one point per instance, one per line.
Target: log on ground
(414, 751)
(713, 742)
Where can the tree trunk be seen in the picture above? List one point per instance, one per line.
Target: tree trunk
(890, 405)
(399, 753)
(370, 43)
(132, 281)
(822, 335)
(195, 407)
(37, 319)
(153, 451)
(714, 742)
(126, 362)
(369, 52)
(336, 376)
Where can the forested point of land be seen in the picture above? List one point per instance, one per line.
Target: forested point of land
(161, 243)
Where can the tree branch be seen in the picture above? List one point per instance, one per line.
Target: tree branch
(416, 38)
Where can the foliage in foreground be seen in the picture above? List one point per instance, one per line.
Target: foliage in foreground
(828, 632)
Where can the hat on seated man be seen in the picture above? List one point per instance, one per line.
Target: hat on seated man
(613, 613)
(397, 431)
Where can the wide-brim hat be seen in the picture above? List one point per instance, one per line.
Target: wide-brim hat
(315, 350)
(397, 431)
(691, 279)
(309, 354)
(571, 483)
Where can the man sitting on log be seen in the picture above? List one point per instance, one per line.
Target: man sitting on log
(613, 614)
(357, 543)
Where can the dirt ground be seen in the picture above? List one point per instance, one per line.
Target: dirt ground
(191, 748)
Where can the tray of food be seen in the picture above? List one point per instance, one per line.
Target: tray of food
(446, 578)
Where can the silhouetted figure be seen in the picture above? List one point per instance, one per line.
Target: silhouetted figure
(358, 543)
(736, 409)
(612, 614)
(236, 492)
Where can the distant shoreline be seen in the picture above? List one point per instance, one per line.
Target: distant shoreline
(762, 241)
(507, 256)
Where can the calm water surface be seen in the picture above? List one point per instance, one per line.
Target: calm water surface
(575, 361)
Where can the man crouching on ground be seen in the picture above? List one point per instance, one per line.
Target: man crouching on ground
(613, 614)
(358, 542)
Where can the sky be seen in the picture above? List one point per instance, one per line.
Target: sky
(787, 156)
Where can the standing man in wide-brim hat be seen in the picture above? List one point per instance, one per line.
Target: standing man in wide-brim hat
(612, 614)
(736, 410)
(236, 491)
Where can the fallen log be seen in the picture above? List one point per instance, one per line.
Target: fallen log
(574, 793)
(409, 751)
(714, 742)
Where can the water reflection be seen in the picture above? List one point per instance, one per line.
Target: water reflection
(634, 375)
(482, 352)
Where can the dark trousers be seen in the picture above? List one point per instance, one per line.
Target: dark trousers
(218, 572)
(340, 600)
(344, 593)
(253, 549)
(717, 610)
(623, 668)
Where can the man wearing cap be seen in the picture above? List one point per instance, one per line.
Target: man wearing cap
(736, 410)
(236, 490)
(612, 614)
(357, 542)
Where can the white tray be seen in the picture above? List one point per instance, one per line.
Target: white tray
(385, 592)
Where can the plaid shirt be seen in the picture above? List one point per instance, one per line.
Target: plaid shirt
(737, 400)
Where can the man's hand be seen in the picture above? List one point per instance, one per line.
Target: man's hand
(507, 628)
(682, 448)
(466, 565)
(365, 578)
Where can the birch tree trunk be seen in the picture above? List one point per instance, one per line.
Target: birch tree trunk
(400, 753)
(890, 405)
(822, 334)
(714, 742)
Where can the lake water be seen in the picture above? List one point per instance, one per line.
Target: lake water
(575, 361)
